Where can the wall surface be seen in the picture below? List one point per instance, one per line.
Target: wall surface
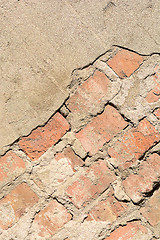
(43, 41)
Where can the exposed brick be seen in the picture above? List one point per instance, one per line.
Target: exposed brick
(16, 204)
(133, 144)
(157, 113)
(152, 209)
(107, 210)
(148, 174)
(73, 160)
(101, 129)
(42, 138)
(51, 219)
(124, 63)
(133, 230)
(89, 93)
(11, 166)
(89, 185)
(57, 170)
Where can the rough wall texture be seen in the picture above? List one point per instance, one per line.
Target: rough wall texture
(43, 41)
(92, 171)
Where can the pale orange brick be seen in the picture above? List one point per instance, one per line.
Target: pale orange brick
(136, 185)
(11, 166)
(157, 113)
(89, 93)
(107, 210)
(151, 211)
(101, 130)
(50, 219)
(96, 179)
(133, 230)
(124, 63)
(73, 160)
(133, 144)
(16, 204)
(42, 138)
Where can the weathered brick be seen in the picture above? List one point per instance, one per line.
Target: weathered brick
(157, 113)
(107, 210)
(57, 169)
(101, 129)
(50, 219)
(151, 211)
(133, 230)
(11, 166)
(148, 174)
(124, 63)
(16, 204)
(133, 144)
(94, 181)
(42, 138)
(89, 93)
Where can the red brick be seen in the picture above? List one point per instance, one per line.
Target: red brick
(101, 130)
(16, 204)
(11, 166)
(73, 160)
(148, 174)
(152, 209)
(42, 138)
(107, 210)
(49, 220)
(133, 144)
(124, 63)
(96, 179)
(133, 230)
(89, 93)
(157, 113)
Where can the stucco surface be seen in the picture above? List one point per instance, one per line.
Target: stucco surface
(42, 42)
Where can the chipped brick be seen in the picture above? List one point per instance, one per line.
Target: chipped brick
(42, 138)
(124, 63)
(14, 205)
(89, 185)
(148, 174)
(11, 166)
(89, 93)
(107, 210)
(101, 130)
(133, 144)
(50, 219)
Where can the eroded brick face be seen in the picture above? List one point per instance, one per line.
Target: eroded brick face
(44, 137)
(124, 63)
(16, 204)
(89, 93)
(148, 175)
(50, 219)
(134, 143)
(90, 184)
(11, 166)
(101, 129)
(133, 230)
(107, 210)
